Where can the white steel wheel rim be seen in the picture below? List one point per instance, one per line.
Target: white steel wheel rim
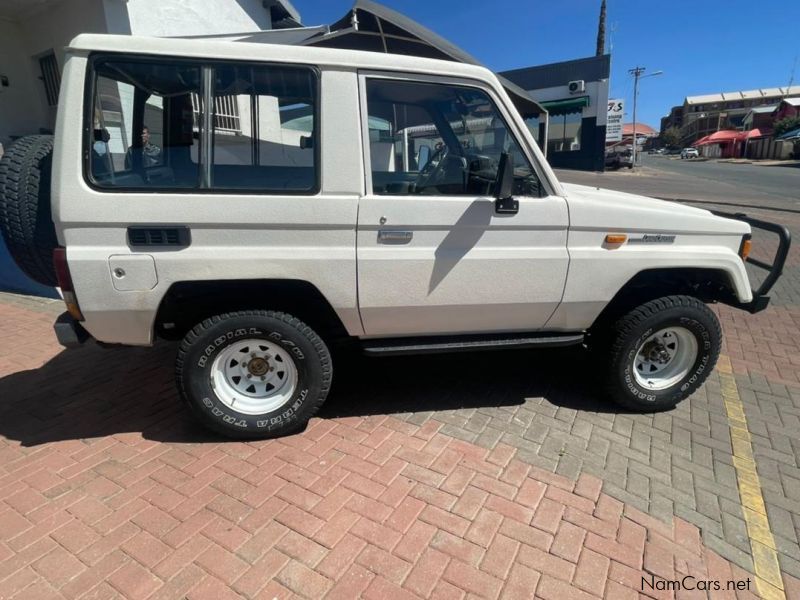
(665, 358)
(254, 377)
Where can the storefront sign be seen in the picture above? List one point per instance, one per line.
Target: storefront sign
(616, 110)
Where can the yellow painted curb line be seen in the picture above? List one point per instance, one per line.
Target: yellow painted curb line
(762, 544)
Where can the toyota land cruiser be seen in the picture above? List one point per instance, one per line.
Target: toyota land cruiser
(261, 203)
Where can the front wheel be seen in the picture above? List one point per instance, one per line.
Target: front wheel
(253, 374)
(662, 351)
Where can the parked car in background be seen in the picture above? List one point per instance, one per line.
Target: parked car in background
(689, 153)
(618, 159)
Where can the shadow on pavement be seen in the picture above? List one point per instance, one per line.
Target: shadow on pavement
(93, 392)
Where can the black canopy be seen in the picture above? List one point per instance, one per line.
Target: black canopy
(373, 27)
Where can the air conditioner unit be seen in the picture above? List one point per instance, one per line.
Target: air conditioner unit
(577, 87)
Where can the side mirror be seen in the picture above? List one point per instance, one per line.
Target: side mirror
(504, 187)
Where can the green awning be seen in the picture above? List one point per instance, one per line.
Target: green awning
(566, 106)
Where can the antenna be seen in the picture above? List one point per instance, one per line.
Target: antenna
(612, 30)
(791, 77)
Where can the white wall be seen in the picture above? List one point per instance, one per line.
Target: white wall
(51, 30)
(54, 28)
(18, 115)
(23, 105)
(195, 17)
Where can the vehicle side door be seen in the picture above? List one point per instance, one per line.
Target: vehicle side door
(434, 256)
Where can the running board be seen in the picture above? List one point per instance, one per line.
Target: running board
(466, 343)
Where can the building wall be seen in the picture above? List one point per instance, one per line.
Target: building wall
(54, 28)
(786, 111)
(725, 113)
(23, 104)
(673, 119)
(768, 148)
(18, 114)
(591, 156)
(193, 17)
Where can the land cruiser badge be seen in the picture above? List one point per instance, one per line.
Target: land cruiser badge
(653, 238)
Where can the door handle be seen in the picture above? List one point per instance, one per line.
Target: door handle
(394, 237)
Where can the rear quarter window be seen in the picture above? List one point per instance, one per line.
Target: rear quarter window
(147, 120)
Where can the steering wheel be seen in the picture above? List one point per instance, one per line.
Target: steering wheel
(433, 170)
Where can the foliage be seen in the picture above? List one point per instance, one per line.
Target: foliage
(671, 138)
(785, 125)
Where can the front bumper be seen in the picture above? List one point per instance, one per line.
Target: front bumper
(69, 332)
(775, 270)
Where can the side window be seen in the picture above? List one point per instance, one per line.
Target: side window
(433, 139)
(144, 131)
(147, 127)
(264, 128)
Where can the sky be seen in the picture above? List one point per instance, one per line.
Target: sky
(703, 46)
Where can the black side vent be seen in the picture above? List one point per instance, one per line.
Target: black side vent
(175, 237)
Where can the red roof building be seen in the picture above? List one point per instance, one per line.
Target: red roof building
(642, 129)
(643, 133)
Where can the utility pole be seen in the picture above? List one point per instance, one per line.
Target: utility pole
(638, 73)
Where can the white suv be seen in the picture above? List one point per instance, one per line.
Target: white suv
(263, 203)
(689, 153)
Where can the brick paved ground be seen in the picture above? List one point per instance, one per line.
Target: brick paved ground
(482, 475)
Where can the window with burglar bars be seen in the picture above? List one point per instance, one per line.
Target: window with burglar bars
(226, 113)
(50, 77)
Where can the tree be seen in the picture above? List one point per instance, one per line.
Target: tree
(671, 137)
(601, 30)
(786, 125)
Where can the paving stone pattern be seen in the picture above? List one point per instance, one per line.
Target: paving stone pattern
(108, 490)
(107, 487)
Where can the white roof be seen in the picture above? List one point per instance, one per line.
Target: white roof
(764, 109)
(236, 50)
(744, 95)
(793, 101)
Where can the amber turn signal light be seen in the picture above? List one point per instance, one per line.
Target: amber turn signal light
(747, 246)
(616, 238)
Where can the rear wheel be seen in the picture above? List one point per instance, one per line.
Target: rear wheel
(254, 374)
(661, 352)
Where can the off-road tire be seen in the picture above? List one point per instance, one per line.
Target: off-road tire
(205, 341)
(26, 220)
(636, 326)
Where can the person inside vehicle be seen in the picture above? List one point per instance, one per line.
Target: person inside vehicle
(150, 153)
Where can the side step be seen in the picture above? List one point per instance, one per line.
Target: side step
(466, 343)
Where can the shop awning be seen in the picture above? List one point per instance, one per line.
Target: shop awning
(757, 133)
(726, 136)
(566, 106)
(701, 141)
